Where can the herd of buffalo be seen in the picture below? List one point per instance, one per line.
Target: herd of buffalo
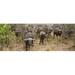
(31, 33)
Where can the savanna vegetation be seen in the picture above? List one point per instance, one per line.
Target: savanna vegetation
(12, 37)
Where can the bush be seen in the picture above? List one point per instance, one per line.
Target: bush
(7, 37)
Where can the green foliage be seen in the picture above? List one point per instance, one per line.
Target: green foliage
(6, 35)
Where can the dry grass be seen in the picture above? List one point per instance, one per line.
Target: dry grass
(50, 45)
